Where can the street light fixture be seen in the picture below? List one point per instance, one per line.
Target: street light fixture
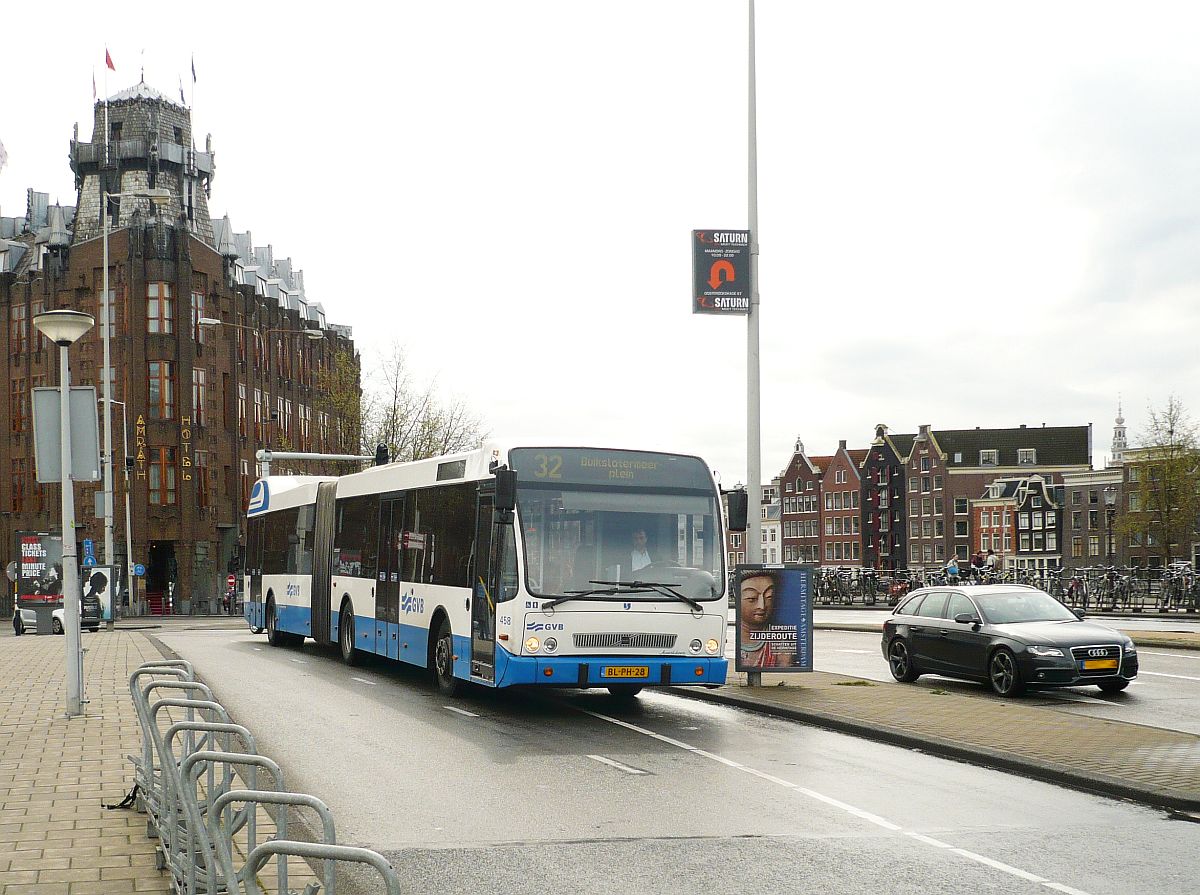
(64, 327)
(158, 197)
(1110, 510)
(314, 335)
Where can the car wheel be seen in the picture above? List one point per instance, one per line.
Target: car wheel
(900, 662)
(56, 626)
(624, 691)
(443, 661)
(1004, 675)
(1114, 686)
(350, 655)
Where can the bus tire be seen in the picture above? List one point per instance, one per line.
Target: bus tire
(443, 661)
(350, 655)
(275, 637)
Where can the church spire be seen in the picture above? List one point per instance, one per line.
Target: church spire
(1119, 444)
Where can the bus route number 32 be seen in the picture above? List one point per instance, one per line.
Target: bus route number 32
(549, 466)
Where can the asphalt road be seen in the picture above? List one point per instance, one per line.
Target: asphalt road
(575, 792)
(1166, 693)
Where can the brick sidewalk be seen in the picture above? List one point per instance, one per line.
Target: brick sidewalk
(55, 772)
(1161, 767)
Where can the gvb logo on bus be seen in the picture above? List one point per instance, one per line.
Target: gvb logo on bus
(541, 626)
(411, 604)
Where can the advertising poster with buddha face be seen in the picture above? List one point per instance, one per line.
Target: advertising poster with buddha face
(773, 609)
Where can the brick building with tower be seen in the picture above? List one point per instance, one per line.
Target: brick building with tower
(199, 400)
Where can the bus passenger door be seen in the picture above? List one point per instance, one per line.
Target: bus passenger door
(253, 571)
(484, 592)
(387, 588)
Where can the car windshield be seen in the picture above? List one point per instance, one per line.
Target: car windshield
(1022, 606)
(618, 517)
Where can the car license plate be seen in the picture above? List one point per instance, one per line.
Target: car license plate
(626, 671)
(1095, 664)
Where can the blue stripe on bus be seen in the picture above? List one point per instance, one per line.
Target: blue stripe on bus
(565, 670)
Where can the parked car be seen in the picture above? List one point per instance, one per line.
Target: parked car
(89, 618)
(1010, 636)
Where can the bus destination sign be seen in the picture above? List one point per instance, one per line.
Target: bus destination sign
(582, 466)
(721, 272)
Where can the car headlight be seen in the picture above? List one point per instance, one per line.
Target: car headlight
(712, 645)
(696, 646)
(1130, 648)
(1044, 650)
(551, 644)
(533, 644)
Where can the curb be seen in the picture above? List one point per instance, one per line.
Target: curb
(1050, 772)
(1141, 638)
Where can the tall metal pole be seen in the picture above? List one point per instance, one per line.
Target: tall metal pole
(105, 316)
(70, 579)
(753, 422)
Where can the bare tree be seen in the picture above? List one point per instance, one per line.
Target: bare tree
(411, 420)
(340, 397)
(1164, 476)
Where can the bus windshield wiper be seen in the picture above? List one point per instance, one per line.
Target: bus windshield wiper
(616, 588)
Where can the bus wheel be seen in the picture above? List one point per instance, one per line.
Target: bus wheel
(443, 661)
(624, 691)
(275, 637)
(346, 636)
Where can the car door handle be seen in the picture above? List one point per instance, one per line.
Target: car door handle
(943, 633)
(917, 630)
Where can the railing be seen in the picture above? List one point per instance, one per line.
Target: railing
(202, 783)
(1098, 588)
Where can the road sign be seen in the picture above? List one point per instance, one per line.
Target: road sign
(231, 581)
(89, 561)
(721, 272)
(139, 570)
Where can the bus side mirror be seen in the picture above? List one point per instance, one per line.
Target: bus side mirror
(506, 490)
(738, 507)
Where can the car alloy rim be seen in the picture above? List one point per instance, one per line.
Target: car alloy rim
(1002, 672)
(899, 659)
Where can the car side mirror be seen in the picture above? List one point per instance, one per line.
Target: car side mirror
(966, 618)
(1078, 613)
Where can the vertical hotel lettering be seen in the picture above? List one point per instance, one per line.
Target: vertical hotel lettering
(185, 447)
(139, 440)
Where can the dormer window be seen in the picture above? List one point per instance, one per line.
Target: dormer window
(989, 458)
(1026, 457)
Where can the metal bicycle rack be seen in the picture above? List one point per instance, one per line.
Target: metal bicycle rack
(199, 779)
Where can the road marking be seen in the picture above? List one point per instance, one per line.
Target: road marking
(299, 661)
(861, 652)
(451, 708)
(258, 649)
(1182, 677)
(836, 803)
(363, 680)
(637, 772)
(1146, 652)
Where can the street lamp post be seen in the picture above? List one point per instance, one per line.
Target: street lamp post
(1110, 510)
(64, 327)
(158, 197)
(128, 525)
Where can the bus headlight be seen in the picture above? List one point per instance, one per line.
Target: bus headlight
(696, 646)
(532, 645)
(712, 646)
(551, 644)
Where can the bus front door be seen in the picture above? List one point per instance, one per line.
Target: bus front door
(483, 592)
(253, 597)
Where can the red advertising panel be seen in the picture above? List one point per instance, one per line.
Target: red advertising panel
(39, 573)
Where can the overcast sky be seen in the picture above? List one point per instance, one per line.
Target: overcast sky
(970, 214)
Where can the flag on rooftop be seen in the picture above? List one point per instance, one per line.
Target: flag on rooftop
(108, 60)
(193, 68)
(3, 157)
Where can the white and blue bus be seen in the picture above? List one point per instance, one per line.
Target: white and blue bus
(560, 566)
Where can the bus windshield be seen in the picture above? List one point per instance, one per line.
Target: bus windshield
(591, 516)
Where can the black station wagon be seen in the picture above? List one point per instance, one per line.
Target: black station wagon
(1007, 635)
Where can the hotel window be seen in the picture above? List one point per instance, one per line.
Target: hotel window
(19, 476)
(203, 494)
(162, 476)
(18, 406)
(1026, 456)
(198, 332)
(162, 389)
(199, 397)
(18, 330)
(160, 315)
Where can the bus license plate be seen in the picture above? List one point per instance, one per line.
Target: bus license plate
(1094, 664)
(635, 671)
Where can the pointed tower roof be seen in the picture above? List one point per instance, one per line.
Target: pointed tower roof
(223, 237)
(58, 238)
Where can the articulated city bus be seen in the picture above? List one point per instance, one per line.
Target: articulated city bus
(561, 566)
